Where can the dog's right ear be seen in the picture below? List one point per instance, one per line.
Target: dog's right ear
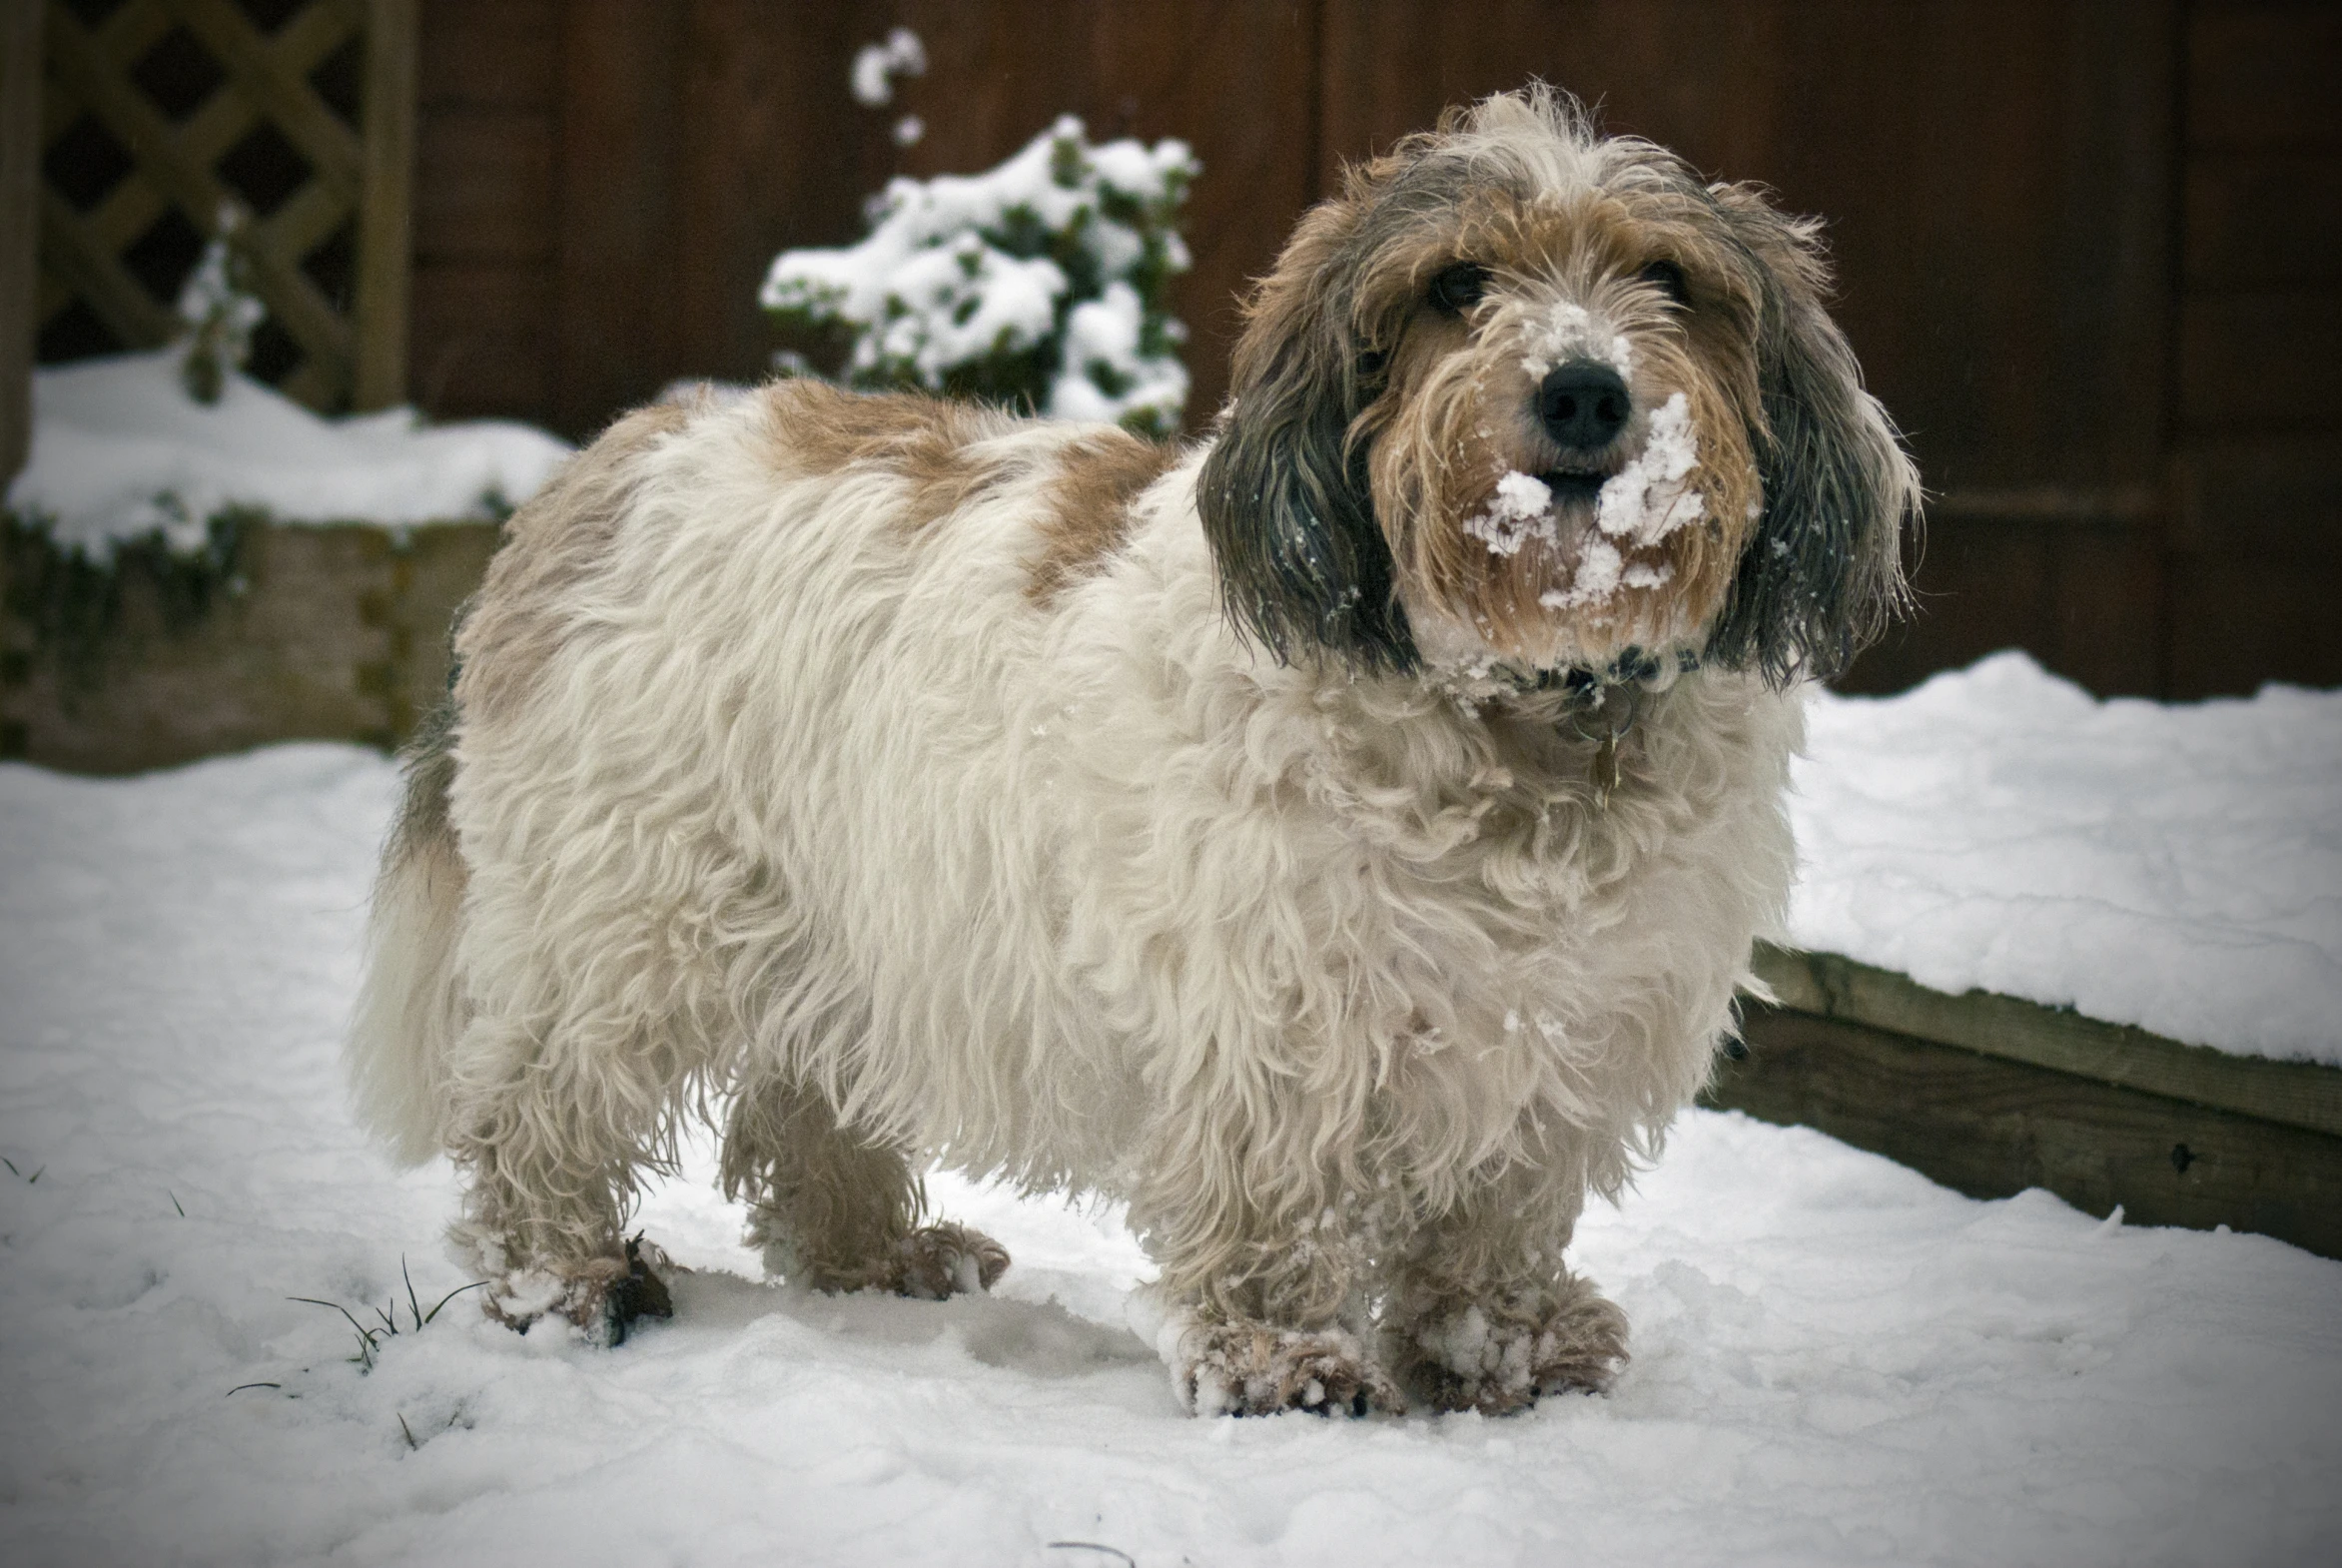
(1283, 495)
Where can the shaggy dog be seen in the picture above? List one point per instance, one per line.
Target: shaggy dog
(1340, 840)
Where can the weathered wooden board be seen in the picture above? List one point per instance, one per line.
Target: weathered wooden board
(1991, 1127)
(385, 207)
(480, 339)
(2260, 75)
(2238, 619)
(2264, 220)
(326, 633)
(2298, 1093)
(20, 139)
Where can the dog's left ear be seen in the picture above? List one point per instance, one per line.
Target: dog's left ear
(1821, 574)
(1284, 497)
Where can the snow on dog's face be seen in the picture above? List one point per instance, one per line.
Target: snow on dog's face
(1522, 395)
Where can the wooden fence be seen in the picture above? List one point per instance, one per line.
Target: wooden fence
(2089, 248)
(158, 115)
(20, 162)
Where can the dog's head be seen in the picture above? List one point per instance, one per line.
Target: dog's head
(1522, 395)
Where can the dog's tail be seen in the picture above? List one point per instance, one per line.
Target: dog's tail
(411, 1005)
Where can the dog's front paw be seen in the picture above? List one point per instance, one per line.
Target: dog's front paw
(1243, 1369)
(1500, 1359)
(601, 1296)
(941, 1260)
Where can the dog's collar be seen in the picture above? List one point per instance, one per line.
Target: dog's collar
(1602, 706)
(1589, 688)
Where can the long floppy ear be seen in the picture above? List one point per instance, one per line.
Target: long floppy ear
(1822, 575)
(1284, 498)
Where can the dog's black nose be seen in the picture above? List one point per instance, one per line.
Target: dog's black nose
(1584, 405)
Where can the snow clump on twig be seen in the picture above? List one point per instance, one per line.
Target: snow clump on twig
(1039, 282)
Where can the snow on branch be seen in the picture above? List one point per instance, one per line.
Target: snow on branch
(1039, 282)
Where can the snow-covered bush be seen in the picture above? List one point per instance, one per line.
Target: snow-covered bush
(219, 311)
(1038, 284)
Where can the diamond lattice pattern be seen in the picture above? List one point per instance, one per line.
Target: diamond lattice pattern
(155, 114)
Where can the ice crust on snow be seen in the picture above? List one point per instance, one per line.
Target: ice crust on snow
(1836, 1363)
(120, 450)
(2178, 867)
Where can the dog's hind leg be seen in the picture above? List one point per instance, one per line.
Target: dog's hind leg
(549, 1160)
(834, 1210)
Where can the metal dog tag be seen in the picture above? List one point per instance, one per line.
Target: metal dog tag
(1605, 771)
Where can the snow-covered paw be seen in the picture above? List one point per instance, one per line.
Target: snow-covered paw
(602, 1297)
(1498, 1360)
(942, 1260)
(1245, 1369)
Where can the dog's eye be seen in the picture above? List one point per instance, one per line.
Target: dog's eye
(1457, 288)
(1371, 363)
(1668, 278)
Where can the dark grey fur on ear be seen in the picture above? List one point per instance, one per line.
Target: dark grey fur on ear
(1822, 575)
(1284, 498)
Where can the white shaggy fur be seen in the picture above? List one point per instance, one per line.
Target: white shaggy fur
(1342, 978)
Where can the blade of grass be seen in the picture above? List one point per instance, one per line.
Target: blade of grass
(411, 1304)
(362, 1330)
(1095, 1546)
(365, 1335)
(451, 1295)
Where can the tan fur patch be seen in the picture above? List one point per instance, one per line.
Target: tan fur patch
(1088, 507)
(818, 429)
(552, 544)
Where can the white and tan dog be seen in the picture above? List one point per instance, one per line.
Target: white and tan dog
(1341, 840)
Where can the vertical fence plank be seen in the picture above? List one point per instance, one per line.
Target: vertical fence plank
(20, 135)
(768, 153)
(480, 334)
(386, 227)
(617, 113)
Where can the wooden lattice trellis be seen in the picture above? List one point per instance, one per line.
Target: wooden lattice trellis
(300, 112)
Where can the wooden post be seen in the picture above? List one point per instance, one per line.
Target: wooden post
(384, 224)
(20, 159)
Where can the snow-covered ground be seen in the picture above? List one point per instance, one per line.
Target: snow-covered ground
(1835, 1360)
(2173, 866)
(120, 450)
